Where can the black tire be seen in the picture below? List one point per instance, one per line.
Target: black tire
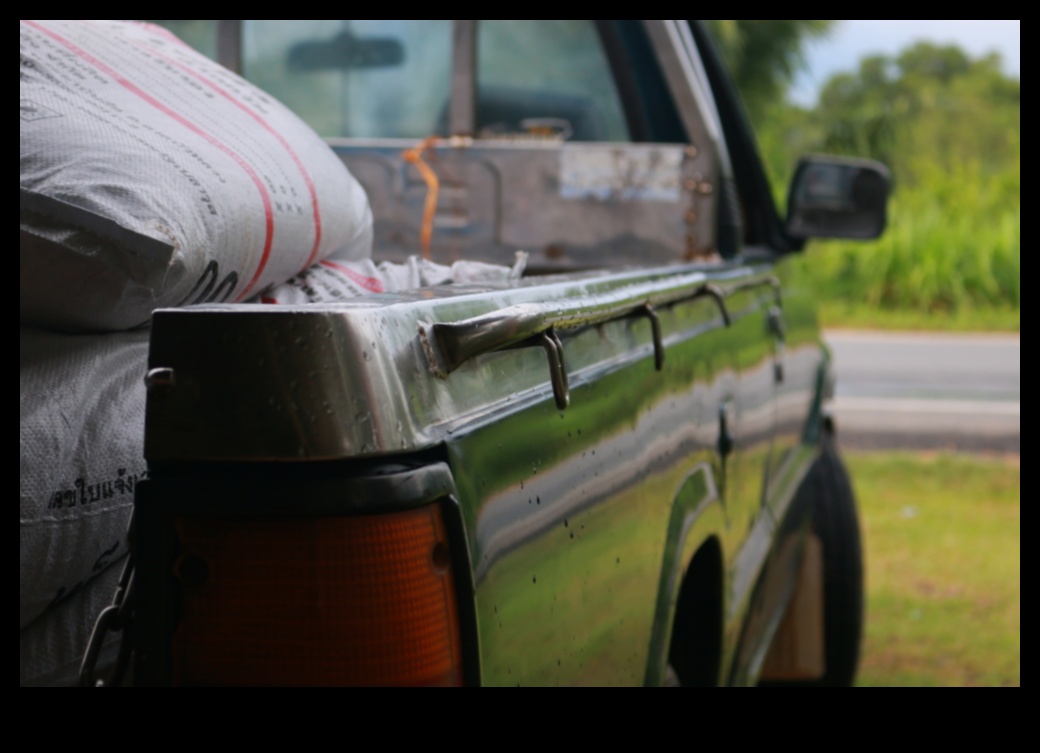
(836, 523)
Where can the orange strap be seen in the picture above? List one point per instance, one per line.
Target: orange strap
(414, 156)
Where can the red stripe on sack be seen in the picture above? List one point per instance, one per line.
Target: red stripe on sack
(267, 299)
(267, 127)
(130, 86)
(368, 283)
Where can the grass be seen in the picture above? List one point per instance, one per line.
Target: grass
(853, 314)
(943, 569)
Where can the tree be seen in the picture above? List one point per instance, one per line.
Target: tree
(948, 126)
(764, 56)
(930, 105)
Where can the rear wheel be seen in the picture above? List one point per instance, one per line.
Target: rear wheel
(835, 523)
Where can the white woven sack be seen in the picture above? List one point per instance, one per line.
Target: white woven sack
(334, 280)
(81, 432)
(151, 176)
(51, 647)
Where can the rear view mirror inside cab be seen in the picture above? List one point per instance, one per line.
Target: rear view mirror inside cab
(346, 51)
(837, 197)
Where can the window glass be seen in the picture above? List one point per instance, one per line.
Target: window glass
(202, 35)
(552, 74)
(355, 78)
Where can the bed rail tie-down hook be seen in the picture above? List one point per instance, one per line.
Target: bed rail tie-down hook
(557, 368)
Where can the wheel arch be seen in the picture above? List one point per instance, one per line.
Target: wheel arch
(693, 553)
(695, 648)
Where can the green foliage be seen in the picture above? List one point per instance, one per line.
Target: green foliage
(953, 241)
(949, 128)
(764, 56)
(930, 105)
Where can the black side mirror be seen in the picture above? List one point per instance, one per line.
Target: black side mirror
(838, 197)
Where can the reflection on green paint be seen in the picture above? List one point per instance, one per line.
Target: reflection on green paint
(572, 513)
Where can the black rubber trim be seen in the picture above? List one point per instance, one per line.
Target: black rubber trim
(294, 489)
(761, 221)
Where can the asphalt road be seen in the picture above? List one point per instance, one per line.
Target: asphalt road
(927, 390)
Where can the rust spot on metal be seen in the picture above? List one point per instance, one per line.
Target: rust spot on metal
(552, 251)
(691, 247)
(704, 188)
(690, 216)
(691, 151)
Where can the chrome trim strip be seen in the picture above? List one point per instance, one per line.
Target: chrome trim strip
(354, 379)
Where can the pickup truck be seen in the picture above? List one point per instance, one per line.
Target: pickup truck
(618, 470)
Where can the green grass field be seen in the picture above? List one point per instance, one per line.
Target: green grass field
(853, 314)
(942, 534)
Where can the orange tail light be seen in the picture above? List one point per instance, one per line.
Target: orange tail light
(365, 600)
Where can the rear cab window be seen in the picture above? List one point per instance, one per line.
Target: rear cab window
(574, 123)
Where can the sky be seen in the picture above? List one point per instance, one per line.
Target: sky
(852, 40)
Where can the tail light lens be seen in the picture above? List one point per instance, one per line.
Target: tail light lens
(366, 600)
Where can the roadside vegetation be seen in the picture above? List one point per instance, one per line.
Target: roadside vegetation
(948, 126)
(943, 568)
